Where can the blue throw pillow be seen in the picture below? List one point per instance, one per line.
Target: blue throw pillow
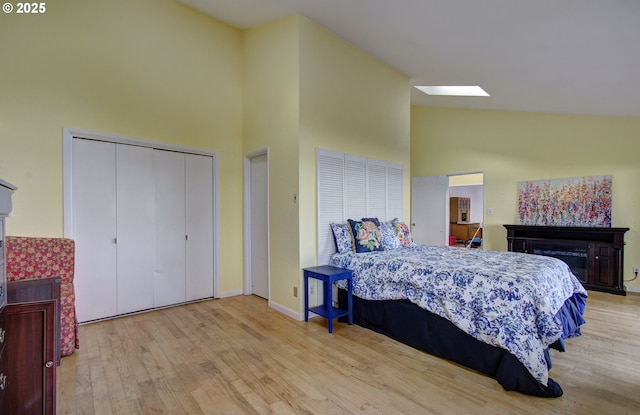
(366, 235)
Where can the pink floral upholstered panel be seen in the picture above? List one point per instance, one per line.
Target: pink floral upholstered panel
(30, 258)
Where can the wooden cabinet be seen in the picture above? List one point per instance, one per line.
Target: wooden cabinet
(459, 209)
(603, 266)
(465, 231)
(30, 347)
(3, 267)
(40, 289)
(29, 357)
(595, 255)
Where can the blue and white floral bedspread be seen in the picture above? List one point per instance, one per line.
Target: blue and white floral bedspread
(506, 299)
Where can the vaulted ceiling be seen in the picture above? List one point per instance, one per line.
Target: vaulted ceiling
(556, 56)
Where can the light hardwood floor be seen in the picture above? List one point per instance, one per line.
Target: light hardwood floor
(238, 356)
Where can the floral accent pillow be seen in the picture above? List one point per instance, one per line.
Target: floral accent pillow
(390, 240)
(404, 234)
(342, 237)
(366, 235)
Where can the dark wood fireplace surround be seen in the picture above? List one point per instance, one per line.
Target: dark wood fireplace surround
(599, 252)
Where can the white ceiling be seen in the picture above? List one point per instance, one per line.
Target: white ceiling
(557, 56)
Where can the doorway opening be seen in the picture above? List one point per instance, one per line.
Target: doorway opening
(466, 209)
(256, 220)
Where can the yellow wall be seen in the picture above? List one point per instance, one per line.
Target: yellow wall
(160, 71)
(515, 146)
(305, 89)
(146, 69)
(349, 102)
(271, 119)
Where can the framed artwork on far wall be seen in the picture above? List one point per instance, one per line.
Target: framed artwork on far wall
(577, 201)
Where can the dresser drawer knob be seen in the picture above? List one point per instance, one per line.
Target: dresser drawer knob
(48, 364)
(2, 332)
(3, 381)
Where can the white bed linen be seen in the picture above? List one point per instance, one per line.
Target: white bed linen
(506, 299)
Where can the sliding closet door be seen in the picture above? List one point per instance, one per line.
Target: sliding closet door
(93, 180)
(169, 282)
(199, 225)
(135, 227)
(142, 219)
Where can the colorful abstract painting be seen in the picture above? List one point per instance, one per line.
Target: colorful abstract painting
(578, 201)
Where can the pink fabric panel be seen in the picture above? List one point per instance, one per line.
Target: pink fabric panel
(32, 258)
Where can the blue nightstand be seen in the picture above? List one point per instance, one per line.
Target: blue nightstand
(328, 275)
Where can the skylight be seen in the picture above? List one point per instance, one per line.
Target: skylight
(460, 91)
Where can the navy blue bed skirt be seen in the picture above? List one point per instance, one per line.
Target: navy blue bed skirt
(408, 323)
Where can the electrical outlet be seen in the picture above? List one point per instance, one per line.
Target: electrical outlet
(312, 290)
(295, 291)
(636, 270)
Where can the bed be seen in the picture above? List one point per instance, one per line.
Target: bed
(496, 312)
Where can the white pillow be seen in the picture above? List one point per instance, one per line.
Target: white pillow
(342, 237)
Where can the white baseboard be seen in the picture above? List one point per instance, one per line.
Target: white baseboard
(231, 293)
(633, 288)
(299, 316)
(287, 311)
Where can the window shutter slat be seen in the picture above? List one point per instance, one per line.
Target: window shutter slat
(395, 192)
(356, 187)
(330, 200)
(352, 187)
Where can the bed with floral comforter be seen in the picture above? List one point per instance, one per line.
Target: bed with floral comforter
(516, 302)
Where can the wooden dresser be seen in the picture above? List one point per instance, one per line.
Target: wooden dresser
(595, 255)
(28, 335)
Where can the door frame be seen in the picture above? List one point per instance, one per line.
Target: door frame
(484, 202)
(446, 195)
(248, 281)
(69, 133)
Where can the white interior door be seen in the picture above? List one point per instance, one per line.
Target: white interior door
(199, 226)
(429, 210)
(135, 227)
(260, 226)
(93, 184)
(170, 274)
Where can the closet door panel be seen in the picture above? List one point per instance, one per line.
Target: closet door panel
(94, 227)
(169, 174)
(199, 225)
(136, 227)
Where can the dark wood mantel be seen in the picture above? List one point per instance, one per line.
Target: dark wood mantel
(602, 250)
